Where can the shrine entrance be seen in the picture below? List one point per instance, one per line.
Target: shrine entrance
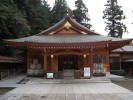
(67, 62)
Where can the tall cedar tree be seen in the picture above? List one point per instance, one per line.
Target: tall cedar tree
(81, 14)
(58, 11)
(37, 13)
(113, 16)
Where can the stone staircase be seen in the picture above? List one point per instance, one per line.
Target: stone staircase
(68, 74)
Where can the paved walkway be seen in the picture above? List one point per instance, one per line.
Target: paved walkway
(41, 89)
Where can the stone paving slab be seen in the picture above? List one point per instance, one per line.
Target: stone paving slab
(40, 89)
(69, 97)
(69, 88)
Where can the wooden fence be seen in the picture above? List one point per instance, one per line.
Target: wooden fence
(10, 73)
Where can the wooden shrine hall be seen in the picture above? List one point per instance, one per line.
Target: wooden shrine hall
(67, 50)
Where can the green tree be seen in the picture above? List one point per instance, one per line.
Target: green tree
(13, 24)
(81, 14)
(58, 11)
(36, 12)
(113, 16)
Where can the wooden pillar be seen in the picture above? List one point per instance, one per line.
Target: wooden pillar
(91, 64)
(28, 60)
(45, 64)
(107, 61)
(25, 61)
(52, 63)
(120, 60)
(84, 60)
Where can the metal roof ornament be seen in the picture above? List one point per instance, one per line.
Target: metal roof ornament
(67, 25)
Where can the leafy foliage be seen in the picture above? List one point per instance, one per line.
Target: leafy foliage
(13, 24)
(113, 16)
(81, 14)
(60, 8)
(20, 18)
(37, 14)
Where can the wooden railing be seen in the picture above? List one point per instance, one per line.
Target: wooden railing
(10, 73)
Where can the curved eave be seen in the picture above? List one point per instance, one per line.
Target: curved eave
(25, 44)
(111, 45)
(118, 44)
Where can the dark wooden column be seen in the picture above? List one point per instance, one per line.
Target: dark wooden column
(121, 59)
(91, 64)
(28, 60)
(52, 63)
(25, 61)
(107, 61)
(45, 64)
(85, 60)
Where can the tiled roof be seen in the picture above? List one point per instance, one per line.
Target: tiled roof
(65, 39)
(46, 37)
(127, 48)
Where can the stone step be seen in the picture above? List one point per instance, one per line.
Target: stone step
(68, 74)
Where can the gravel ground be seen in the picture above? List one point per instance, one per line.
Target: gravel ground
(127, 83)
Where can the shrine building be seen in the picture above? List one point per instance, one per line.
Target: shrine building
(67, 50)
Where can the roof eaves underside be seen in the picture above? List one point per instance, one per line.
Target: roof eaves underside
(111, 44)
(118, 44)
(4, 59)
(27, 42)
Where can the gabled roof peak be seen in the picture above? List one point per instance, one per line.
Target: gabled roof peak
(67, 25)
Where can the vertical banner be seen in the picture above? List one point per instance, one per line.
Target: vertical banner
(86, 71)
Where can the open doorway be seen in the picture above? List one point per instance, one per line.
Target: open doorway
(67, 62)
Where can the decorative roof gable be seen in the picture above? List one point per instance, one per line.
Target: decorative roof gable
(67, 26)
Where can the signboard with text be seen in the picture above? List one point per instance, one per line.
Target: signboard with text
(86, 72)
(50, 75)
